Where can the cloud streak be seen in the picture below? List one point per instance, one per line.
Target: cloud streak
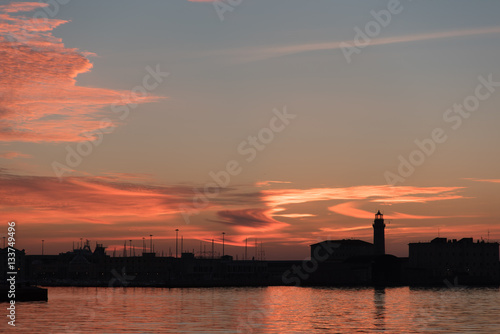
(377, 193)
(262, 53)
(12, 155)
(484, 180)
(351, 209)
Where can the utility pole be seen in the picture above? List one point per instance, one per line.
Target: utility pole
(223, 233)
(130, 247)
(150, 243)
(42, 246)
(176, 241)
(246, 245)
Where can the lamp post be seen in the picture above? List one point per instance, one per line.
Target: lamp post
(223, 243)
(176, 241)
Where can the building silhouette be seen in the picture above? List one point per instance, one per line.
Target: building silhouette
(346, 262)
(462, 262)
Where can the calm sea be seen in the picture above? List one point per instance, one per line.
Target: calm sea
(260, 310)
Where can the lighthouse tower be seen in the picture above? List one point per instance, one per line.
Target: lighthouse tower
(378, 234)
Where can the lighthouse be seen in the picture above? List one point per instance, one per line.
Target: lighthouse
(378, 234)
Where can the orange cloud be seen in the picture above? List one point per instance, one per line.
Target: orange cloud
(267, 183)
(12, 155)
(39, 98)
(484, 180)
(39, 200)
(351, 209)
(382, 193)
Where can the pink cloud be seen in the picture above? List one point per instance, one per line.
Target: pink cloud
(76, 200)
(12, 155)
(484, 180)
(267, 183)
(40, 100)
(381, 193)
(351, 209)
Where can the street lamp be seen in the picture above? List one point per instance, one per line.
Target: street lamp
(176, 240)
(223, 243)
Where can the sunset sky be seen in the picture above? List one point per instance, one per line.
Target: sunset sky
(286, 121)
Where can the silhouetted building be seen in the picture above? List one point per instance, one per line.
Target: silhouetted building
(464, 262)
(355, 262)
(19, 264)
(340, 250)
(378, 234)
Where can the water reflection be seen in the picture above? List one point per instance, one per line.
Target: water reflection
(379, 313)
(261, 310)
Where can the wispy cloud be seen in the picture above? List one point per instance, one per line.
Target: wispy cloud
(12, 155)
(251, 220)
(267, 183)
(39, 97)
(484, 180)
(377, 193)
(262, 53)
(351, 209)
